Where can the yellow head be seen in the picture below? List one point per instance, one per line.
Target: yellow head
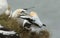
(32, 13)
(18, 11)
(21, 12)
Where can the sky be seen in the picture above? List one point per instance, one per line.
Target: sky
(47, 10)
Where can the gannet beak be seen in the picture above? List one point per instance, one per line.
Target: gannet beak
(44, 25)
(23, 13)
(26, 9)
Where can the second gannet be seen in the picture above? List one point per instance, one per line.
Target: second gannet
(3, 6)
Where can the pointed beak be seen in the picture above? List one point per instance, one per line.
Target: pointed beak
(25, 9)
(44, 25)
(24, 12)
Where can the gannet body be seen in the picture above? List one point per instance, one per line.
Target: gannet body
(3, 6)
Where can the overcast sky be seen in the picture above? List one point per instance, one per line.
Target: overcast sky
(48, 11)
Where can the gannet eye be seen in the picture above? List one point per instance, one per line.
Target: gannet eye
(22, 12)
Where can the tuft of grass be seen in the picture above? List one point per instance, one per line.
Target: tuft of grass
(12, 24)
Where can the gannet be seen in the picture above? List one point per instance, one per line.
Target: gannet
(3, 6)
(19, 12)
(33, 19)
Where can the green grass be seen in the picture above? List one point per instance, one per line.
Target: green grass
(12, 24)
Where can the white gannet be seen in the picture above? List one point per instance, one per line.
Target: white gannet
(33, 19)
(3, 6)
(34, 22)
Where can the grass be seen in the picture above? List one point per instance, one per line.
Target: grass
(12, 24)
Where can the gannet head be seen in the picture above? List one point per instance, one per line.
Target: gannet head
(18, 12)
(33, 14)
(22, 12)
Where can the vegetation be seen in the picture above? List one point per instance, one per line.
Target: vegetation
(12, 24)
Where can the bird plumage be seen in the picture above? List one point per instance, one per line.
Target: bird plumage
(33, 19)
(17, 13)
(36, 18)
(3, 6)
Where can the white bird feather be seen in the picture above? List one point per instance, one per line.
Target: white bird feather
(17, 13)
(36, 18)
(3, 6)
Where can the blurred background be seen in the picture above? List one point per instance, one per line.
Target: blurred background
(48, 11)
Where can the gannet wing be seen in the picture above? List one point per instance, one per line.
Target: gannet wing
(28, 18)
